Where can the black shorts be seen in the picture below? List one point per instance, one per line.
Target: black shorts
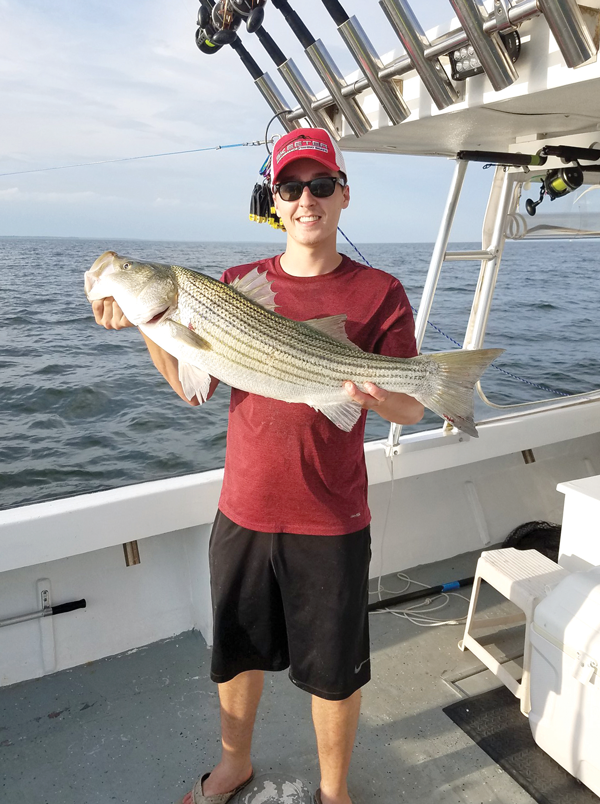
(291, 600)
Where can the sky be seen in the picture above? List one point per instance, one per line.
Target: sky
(93, 81)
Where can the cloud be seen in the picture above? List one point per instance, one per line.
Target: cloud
(167, 202)
(108, 79)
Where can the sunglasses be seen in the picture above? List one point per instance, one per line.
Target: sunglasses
(323, 187)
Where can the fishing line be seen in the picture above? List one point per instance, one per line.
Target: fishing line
(413, 613)
(134, 158)
(456, 343)
(275, 116)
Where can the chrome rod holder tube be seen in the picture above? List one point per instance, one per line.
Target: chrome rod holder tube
(491, 52)
(412, 36)
(305, 97)
(570, 31)
(441, 46)
(366, 57)
(334, 81)
(268, 89)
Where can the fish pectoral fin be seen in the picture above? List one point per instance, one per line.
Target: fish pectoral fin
(334, 326)
(256, 287)
(343, 414)
(194, 381)
(187, 336)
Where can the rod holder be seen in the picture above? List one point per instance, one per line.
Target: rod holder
(366, 57)
(326, 69)
(412, 36)
(47, 611)
(274, 98)
(334, 81)
(570, 31)
(305, 97)
(491, 52)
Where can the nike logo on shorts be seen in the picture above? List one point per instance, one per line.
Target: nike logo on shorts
(357, 669)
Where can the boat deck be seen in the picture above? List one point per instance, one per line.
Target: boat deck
(139, 727)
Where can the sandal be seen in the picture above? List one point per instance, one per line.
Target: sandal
(198, 796)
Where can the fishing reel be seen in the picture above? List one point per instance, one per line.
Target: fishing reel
(253, 11)
(206, 32)
(218, 22)
(557, 183)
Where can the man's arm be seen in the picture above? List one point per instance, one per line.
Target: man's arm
(109, 315)
(393, 407)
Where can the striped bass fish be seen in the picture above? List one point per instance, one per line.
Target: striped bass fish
(232, 332)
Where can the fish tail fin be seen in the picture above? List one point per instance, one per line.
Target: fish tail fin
(452, 396)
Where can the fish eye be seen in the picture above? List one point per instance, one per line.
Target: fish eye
(126, 265)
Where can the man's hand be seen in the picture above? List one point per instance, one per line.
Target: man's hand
(393, 407)
(109, 315)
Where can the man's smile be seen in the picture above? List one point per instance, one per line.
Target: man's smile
(308, 218)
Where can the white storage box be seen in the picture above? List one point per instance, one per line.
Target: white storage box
(565, 682)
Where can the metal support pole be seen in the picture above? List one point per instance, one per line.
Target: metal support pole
(484, 293)
(433, 274)
(439, 251)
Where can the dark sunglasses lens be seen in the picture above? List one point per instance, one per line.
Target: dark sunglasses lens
(322, 188)
(290, 190)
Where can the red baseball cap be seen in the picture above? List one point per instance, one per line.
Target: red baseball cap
(306, 143)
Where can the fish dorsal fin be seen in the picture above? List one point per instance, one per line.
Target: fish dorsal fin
(256, 287)
(343, 414)
(334, 326)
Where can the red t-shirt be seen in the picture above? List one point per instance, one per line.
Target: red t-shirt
(288, 468)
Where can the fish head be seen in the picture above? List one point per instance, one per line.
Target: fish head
(146, 292)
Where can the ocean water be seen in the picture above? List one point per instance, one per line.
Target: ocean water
(83, 409)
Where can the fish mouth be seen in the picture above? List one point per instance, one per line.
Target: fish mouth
(156, 319)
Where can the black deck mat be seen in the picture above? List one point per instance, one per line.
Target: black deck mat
(494, 721)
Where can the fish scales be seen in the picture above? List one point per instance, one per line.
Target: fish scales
(305, 348)
(227, 332)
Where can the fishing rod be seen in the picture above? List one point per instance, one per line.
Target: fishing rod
(47, 611)
(370, 64)
(326, 69)
(296, 83)
(430, 592)
(210, 41)
(566, 153)
(556, 183)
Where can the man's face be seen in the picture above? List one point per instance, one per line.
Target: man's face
(310, 221)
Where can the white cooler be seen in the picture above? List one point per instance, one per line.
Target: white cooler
(565, 681)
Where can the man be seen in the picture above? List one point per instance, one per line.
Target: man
(290, 546)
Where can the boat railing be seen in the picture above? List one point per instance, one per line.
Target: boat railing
(499, 218)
